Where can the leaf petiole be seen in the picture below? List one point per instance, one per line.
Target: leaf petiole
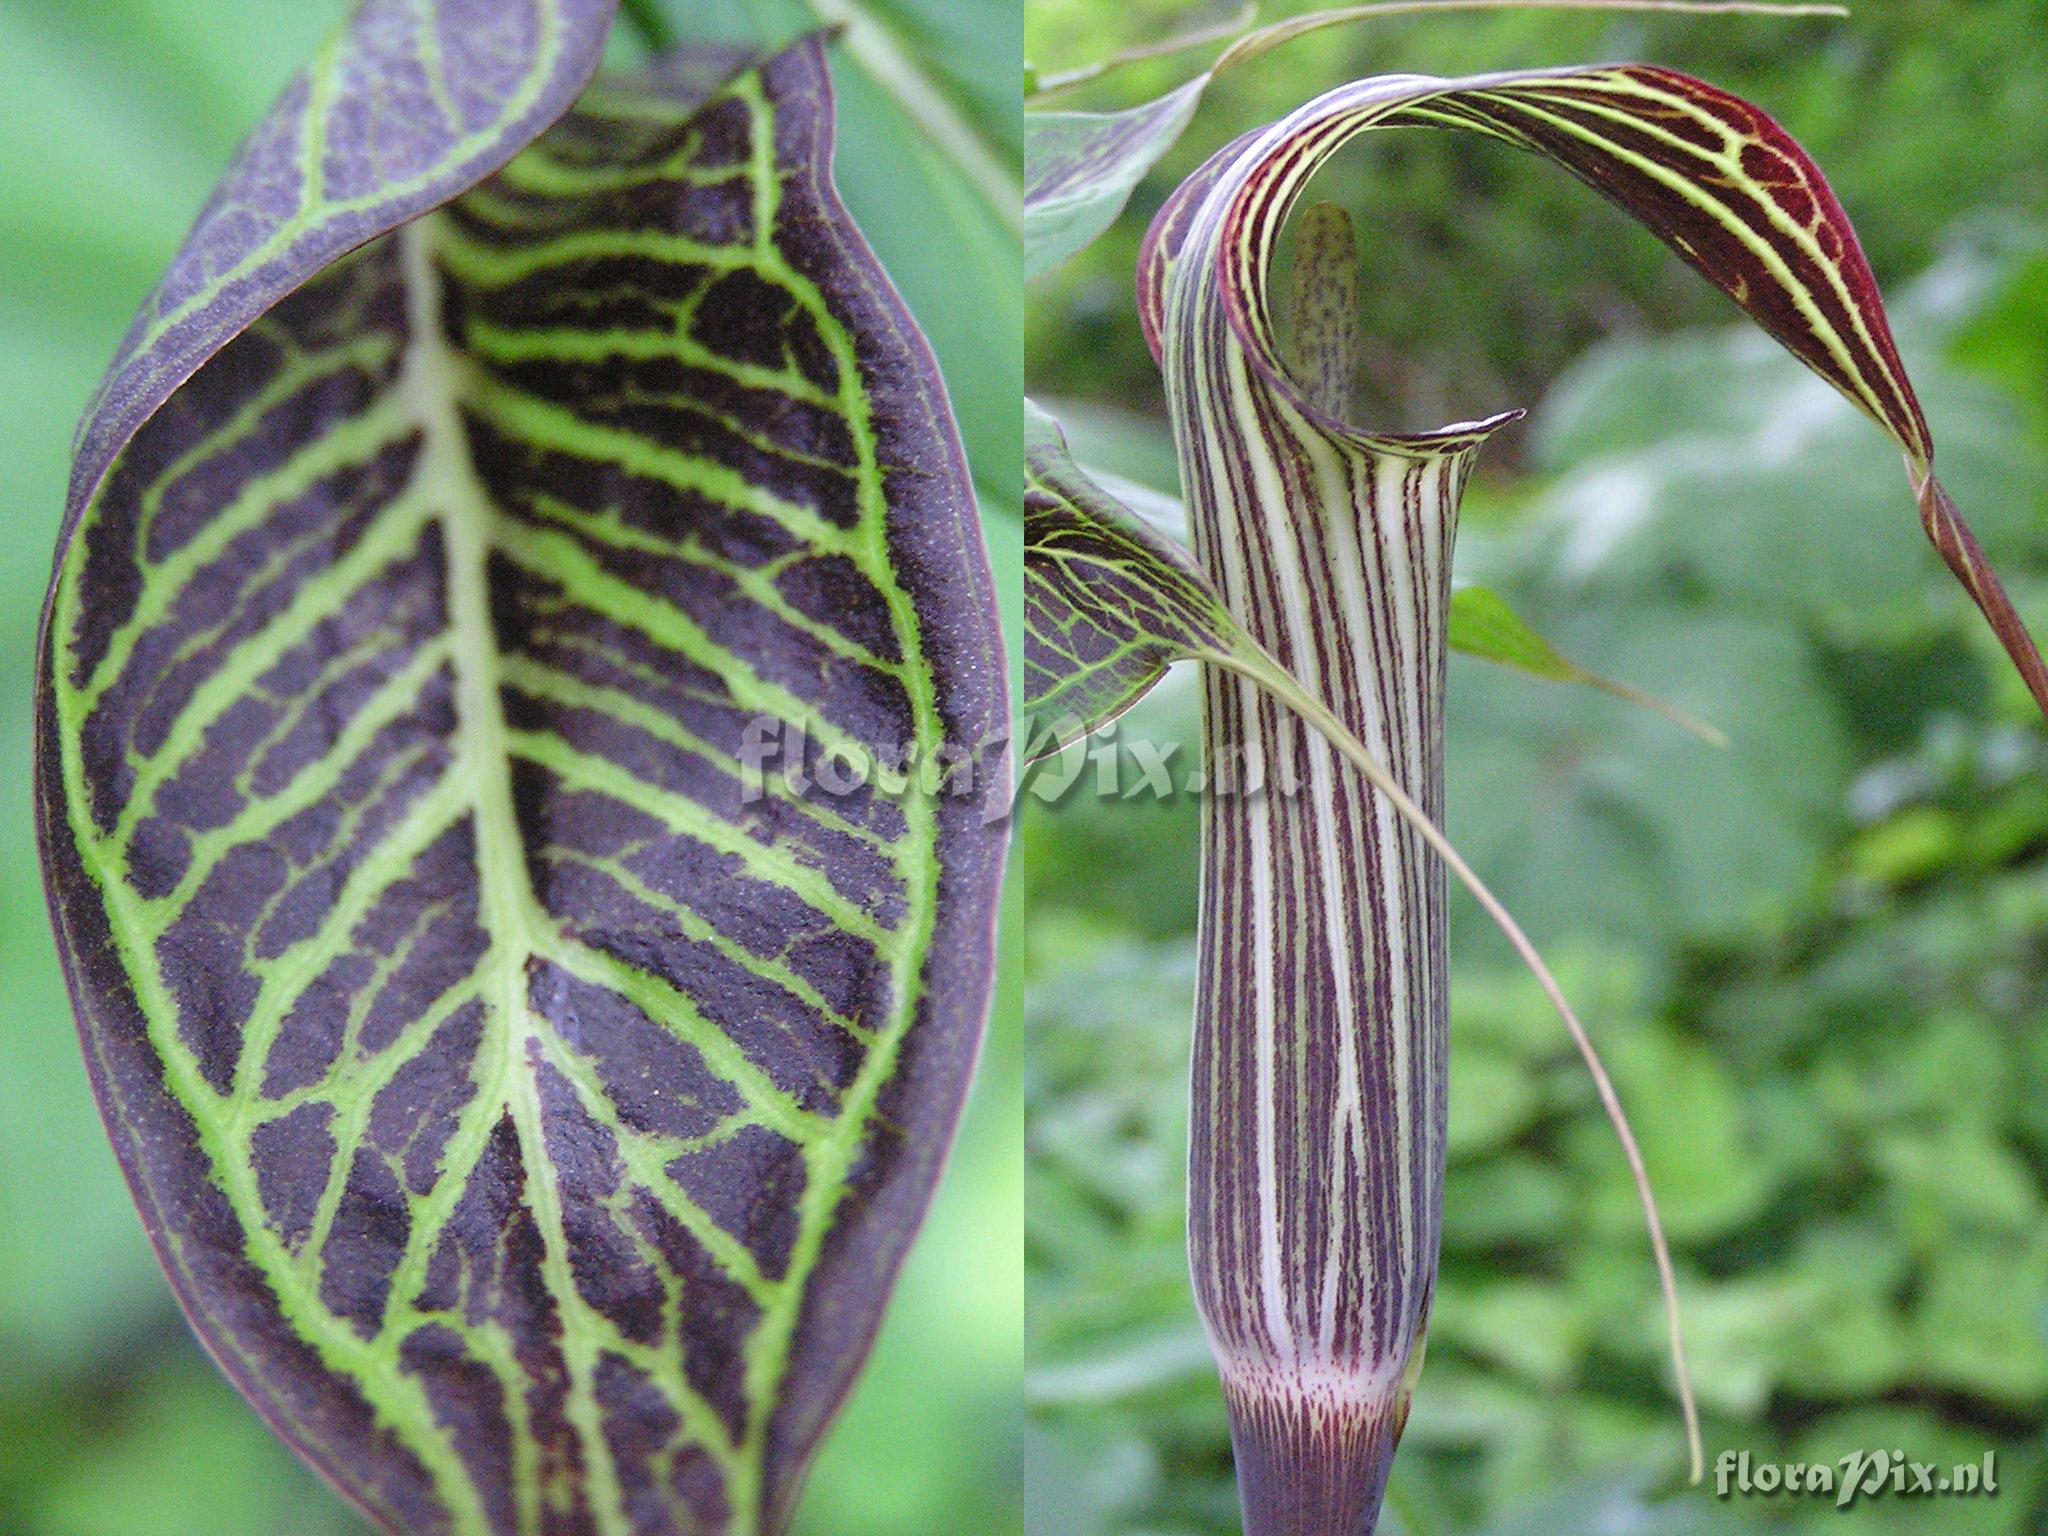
(1223, 31)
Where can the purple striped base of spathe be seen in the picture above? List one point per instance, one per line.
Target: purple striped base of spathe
(1313, 1459)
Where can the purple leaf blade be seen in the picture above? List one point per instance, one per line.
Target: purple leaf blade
(530, 1013)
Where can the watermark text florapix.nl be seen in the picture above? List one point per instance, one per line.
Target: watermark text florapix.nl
(1861, 1475)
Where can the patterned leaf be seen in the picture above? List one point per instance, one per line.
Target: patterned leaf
(1318, 1131)
(1110, 602)
(928, 90)
(531, 1071)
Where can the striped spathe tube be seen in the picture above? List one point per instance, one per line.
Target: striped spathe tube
(1319, 1109)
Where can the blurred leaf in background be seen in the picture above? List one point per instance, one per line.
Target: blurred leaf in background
(1817, 962)
(122, 114)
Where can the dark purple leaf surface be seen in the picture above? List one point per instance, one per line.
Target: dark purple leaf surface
(529, 1012)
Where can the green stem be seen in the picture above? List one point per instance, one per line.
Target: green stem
(943, 124)
(650, 22)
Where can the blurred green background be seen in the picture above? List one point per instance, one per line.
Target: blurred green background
(1817, 962)
(120, 115)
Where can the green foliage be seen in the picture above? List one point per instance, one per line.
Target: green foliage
(1733, 567)
(1839, 1129)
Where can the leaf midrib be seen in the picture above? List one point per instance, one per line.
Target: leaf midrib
(430, 390)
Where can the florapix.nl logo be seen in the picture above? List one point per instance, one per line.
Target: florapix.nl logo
(814, 759)
(1858, 1476)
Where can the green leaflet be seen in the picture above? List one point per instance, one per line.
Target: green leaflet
(514, 745)
(1081, 167)
(1112, 599)
(1483, 625)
